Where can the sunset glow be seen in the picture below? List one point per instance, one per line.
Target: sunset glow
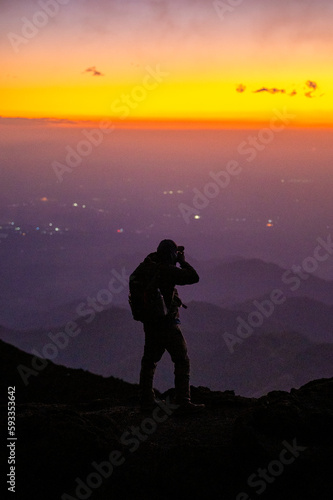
(161, 61)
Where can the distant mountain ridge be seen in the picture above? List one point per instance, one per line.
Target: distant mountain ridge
(271, 357)
(49, 295)
(246, 279)
(307, 316)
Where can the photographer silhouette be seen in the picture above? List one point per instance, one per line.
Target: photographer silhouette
(162, 331)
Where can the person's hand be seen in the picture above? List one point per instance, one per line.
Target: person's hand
(180, 256)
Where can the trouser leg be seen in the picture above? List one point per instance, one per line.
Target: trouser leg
(153, 351)
(182, 381)
(177, 348)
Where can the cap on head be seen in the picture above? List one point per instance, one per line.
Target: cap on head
(167, 250)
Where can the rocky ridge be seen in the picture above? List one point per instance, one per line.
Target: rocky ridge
(83, 436)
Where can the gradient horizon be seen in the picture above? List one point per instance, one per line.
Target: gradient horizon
(162, 64)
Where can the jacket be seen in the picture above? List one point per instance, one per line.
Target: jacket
(171, 275)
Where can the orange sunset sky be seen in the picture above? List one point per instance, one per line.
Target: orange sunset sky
(230, 62)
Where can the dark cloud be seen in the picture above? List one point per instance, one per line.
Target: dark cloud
(310, 90)
(94, 71)
(270, 91)
(312, 86)
(241, 88)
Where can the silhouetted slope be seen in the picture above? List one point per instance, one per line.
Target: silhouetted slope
(64, 448)
(56, 383)
(110, 344)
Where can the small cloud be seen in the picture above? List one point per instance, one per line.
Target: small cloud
(312, 86)
(241, 88)
(270, 91)
(94, 71)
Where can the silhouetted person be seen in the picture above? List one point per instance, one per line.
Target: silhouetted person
(164, 333)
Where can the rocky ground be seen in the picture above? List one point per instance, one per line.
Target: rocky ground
(82, 436)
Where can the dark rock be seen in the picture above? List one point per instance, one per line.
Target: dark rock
(72, 424)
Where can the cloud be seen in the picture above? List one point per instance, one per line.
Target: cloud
(241, 88)
(312, 86)
(310, 90)
(23, 121)
(94, 71)
(270, 91)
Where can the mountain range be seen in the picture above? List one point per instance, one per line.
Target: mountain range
(283, 353)
(254, 331)
(39, 289)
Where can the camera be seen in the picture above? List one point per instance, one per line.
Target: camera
(180, 253)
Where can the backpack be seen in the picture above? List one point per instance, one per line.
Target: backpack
(145, 297)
